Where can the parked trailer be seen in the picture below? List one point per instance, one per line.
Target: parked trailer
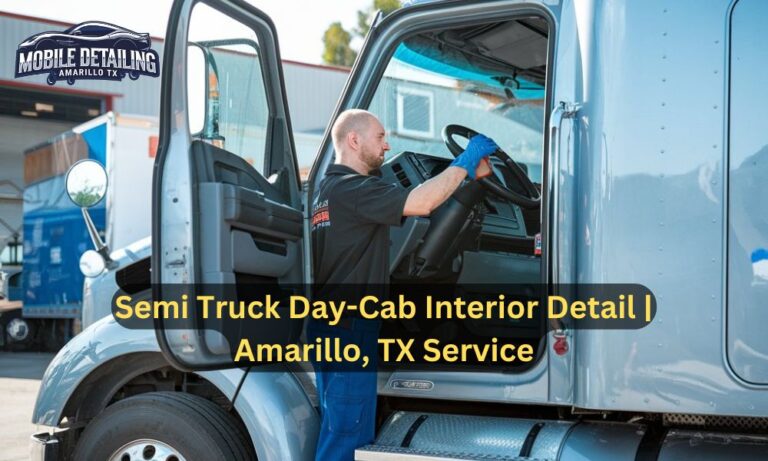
(653, 170)
(55, 235)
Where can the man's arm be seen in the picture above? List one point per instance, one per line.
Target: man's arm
(423, 199)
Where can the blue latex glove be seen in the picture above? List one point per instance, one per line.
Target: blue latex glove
(479, 147)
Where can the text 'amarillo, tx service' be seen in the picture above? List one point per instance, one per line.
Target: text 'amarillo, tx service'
(437, 317)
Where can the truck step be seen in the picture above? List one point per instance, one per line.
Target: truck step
(379, 453)
(420, 436)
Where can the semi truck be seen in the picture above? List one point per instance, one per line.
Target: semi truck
(651, 161)
(50, 284)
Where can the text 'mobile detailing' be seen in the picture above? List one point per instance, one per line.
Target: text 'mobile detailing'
(90, 50)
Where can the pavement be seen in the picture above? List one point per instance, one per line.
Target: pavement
(20, 374)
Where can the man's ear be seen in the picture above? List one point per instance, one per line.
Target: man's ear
(353, 140)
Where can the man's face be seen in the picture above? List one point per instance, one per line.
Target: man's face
(373, 145)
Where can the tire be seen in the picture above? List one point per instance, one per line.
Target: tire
(19, 333)
(164, 426)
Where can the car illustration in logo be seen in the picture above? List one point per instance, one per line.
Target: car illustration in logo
(89, 50)
(92, 33)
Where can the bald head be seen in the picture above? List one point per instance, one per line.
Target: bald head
(359, 140)
(350, 121)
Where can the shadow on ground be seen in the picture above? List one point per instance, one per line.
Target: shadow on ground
(24, 365)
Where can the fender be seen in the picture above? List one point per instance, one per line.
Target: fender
(281, 420)
(278, 415)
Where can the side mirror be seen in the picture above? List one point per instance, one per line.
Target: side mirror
(197, 73)
(92, 263)
(86, 183)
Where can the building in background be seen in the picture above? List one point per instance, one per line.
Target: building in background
(36, 117)
(32, 112)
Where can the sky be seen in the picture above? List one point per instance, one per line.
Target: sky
(300, 23)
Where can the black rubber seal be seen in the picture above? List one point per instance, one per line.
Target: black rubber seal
(412, 431)
(525, 450)
(650, 444)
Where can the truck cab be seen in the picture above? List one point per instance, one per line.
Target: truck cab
(630, 154)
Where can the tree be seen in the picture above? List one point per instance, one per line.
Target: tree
(337, 49)
(88, 196)
(364, 16)
(337, 40)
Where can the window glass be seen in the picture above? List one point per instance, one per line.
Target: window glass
(237, 109)
(489, 83)
(490, 78)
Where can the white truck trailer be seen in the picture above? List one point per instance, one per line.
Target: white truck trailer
(55, 235)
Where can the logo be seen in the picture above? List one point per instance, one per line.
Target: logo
(90, 50)
(320, 215)
(412, 384)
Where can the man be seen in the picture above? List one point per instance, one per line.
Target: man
(351, 215)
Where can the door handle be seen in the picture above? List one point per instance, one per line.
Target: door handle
(562, 111)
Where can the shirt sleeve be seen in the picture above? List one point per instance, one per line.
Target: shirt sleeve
(376, 201)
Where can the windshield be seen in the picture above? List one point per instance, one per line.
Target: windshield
(428, 85)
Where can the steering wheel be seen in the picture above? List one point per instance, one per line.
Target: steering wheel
(532, 197)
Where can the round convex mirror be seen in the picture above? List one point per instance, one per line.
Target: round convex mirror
(86, 183)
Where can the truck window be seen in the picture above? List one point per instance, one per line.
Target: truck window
(238, 111)
(490, 79)
(747, 192)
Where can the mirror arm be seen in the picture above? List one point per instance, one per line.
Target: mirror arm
(101, 247)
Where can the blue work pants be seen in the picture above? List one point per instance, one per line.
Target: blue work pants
(347, 394)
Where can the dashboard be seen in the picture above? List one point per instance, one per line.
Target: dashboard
(500, 218)
(494, 228)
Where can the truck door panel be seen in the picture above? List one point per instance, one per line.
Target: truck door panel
(258, 233)
(220, 227)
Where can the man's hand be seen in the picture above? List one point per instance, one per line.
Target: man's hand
(425, 198)
(479, 147)
(484, 169)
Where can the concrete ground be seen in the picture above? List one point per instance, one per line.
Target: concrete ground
(20, 375)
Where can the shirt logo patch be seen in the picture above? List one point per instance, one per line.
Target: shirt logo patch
(320, 215)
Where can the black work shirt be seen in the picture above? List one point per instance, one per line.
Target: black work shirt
(351, 215)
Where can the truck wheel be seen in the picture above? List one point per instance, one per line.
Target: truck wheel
(20, 334)
(164, 426)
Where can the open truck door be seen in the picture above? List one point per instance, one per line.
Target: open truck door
(218, 220)
(226, 193)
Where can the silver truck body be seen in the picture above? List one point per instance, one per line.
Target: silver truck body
(651, 177)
